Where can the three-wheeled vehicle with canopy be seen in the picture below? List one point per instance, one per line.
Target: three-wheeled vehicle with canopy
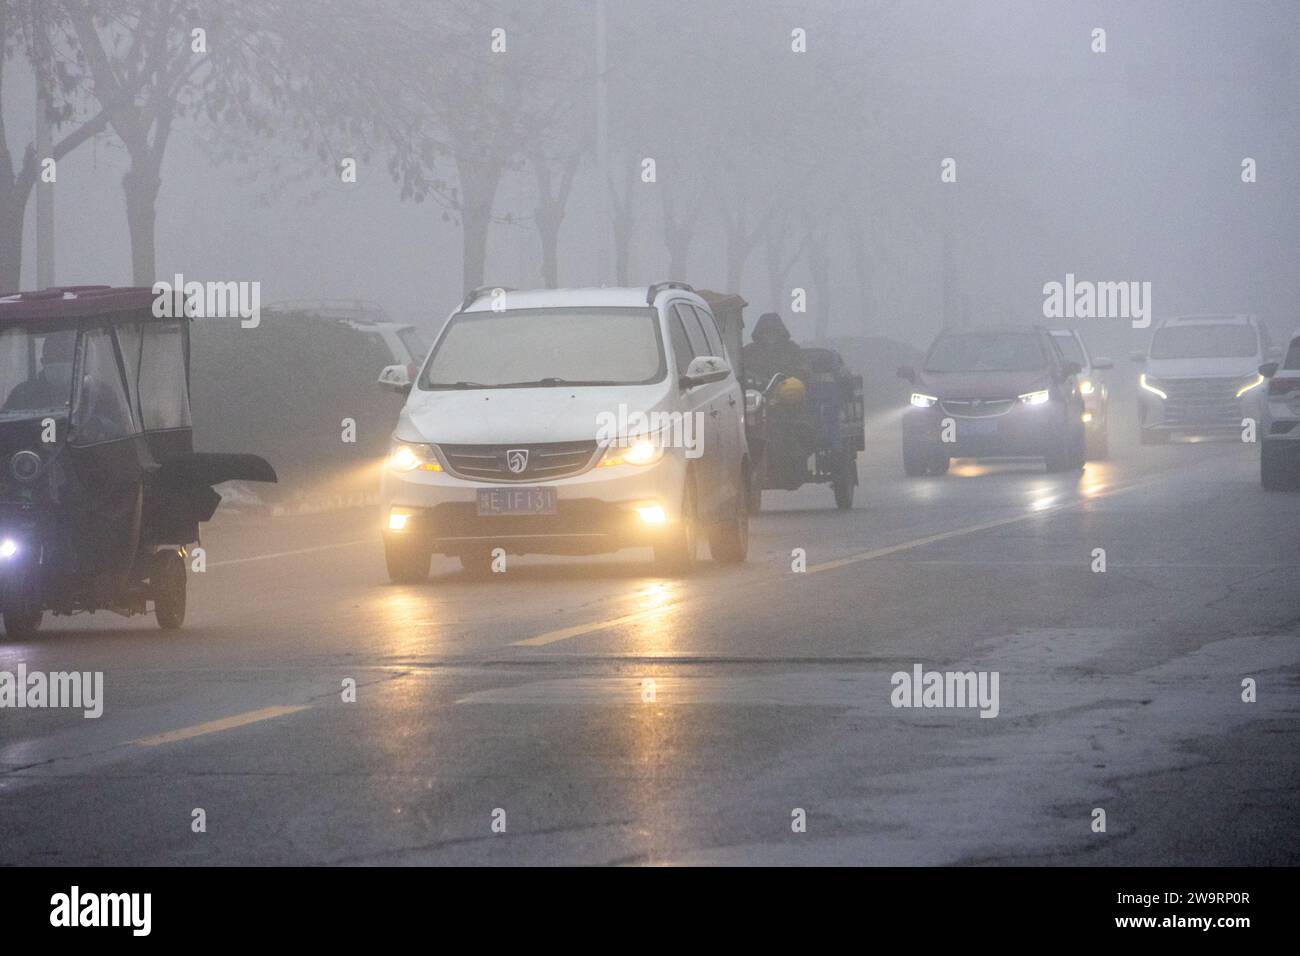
(101, 491)
(798, 432)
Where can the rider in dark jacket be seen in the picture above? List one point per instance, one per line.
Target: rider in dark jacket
(772, 351)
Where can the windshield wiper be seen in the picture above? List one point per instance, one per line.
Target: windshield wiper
(459, 385)
(552, 382)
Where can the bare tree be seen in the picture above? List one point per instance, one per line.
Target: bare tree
(31, 28)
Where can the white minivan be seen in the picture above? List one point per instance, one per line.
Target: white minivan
(568, 421)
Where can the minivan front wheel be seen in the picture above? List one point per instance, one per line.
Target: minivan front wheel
(676, 552)
(729, 539)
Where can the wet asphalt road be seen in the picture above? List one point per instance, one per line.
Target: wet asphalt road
(529, 692)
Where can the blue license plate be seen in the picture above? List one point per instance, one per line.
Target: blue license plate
(516, 501)
(970, 429)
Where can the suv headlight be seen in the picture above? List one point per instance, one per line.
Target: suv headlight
(413, 456)
(921, 400)
(1255, 382)
(1151, 385)
(1039, 397)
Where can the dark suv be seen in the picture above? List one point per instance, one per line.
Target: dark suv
(993, 393)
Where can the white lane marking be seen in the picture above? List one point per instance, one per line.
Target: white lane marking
(971, 529)
(289, 554)
(564, 633)
(577, 630)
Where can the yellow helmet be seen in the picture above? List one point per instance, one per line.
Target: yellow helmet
(790, 391)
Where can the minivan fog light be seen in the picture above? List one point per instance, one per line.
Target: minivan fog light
(652, 514)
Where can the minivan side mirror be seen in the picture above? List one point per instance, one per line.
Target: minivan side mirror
(1101, 364)
(907, 373)
(703, 370)
(1268, 369)
(1139, 357)
(396, 378)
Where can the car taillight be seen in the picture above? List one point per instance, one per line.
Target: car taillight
(1280, 386)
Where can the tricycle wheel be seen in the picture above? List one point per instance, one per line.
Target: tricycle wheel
(22, 622)
(167, 588)
(845, 480)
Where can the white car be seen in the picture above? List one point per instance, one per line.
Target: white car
(1201, 376)
(568, 421)
(1279, 426)
(1096, 396)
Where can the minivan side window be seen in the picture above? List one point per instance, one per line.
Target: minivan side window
(681, 343)
(699, 344)
(711, 333)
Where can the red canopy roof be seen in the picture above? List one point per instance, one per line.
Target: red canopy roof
(73, 301)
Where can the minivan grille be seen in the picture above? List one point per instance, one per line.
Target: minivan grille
(1202, 401)
(543, 461)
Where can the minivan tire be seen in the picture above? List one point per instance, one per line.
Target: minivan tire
(729, 539)
(676, 553)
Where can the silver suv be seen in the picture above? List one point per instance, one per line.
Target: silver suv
(1201, 376)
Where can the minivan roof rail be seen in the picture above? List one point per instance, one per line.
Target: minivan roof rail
(481, 291)
(658, 287)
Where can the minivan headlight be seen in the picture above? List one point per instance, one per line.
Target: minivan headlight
(412, 456)
(921, 400)
(639, 451)
(1039, 397)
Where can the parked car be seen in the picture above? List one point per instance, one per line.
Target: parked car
(406, 344)
(1201, 376)
(993, 393)
(504, 440)
(1279, 425)
(1096, 395)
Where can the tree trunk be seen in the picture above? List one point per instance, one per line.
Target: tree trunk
(141, 186)
(13, 204)
(478, 190)
(819, 268)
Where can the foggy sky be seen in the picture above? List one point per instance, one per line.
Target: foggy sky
(1116, 166)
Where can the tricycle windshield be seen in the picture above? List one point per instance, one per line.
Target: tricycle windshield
(36, 371)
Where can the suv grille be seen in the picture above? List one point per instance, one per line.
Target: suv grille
(1202, 401)
(977, 407)
(544, 461)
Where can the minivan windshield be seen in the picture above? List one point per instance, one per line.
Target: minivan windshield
(523, 348)
(986, 352)
(35, 371)
(1204, 341)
